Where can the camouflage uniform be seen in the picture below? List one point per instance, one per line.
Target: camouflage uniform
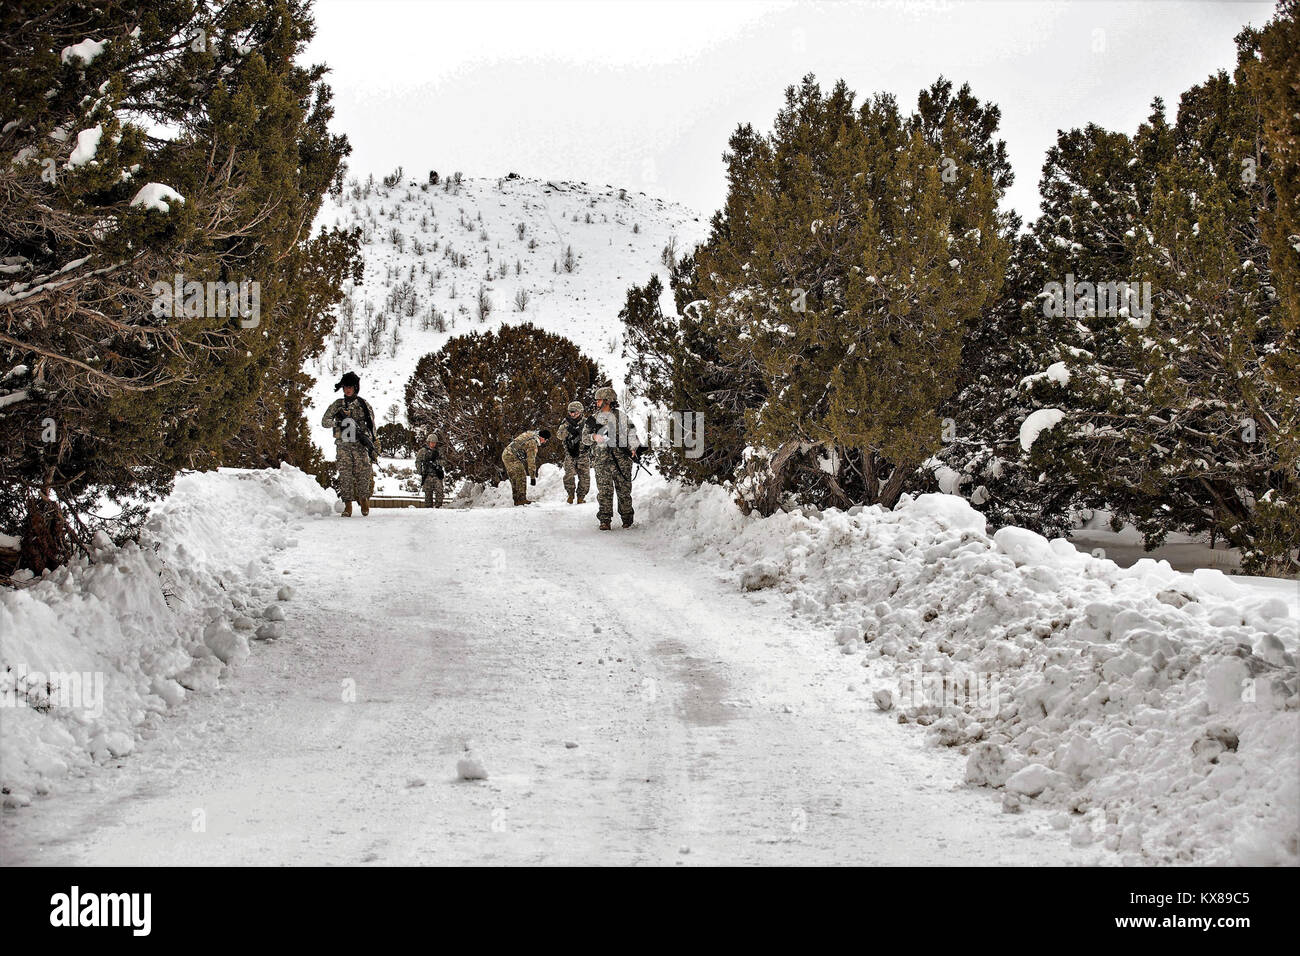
(356, 480)
(613, 465)
(520, 460)
(577, 469)
(428, 465)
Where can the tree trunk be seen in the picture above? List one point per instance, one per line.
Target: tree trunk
(46, 539)
(870, 484)
(893, 489)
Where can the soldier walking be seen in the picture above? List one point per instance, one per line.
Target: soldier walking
(520, 460)
(353, 422)
(615, 448)
(428, 465)
(577, 456)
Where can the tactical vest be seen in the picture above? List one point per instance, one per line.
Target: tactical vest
(573, 436)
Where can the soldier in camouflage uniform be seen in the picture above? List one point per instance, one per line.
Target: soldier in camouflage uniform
(577, 456)
(615, 447)
(428, 465)
(354, 443)
(520, 460)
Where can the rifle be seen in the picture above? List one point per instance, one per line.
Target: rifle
(367, 439)
(634, 459)
(640, 467)
(432, 466)
(616, 450)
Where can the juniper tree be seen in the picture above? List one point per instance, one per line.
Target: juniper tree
(482, 389)
(276, 430)
(844, 266)
(1171, 420)
(115, 397)
(1094, 186)
(1279, 103)
(674, 362)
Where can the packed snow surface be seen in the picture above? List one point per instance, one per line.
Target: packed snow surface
(488, 685)
(1141, 715)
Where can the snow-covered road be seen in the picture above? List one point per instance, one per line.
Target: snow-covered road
(628, 709)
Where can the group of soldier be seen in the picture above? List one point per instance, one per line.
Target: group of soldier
(605, 441)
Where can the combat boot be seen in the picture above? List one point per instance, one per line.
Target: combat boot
(581, 499)
(604, 526)
(347, 511)
(627, 522)
(365, 507)
(570, 497)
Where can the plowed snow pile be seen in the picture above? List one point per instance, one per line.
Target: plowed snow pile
(549, 487)
(1152, 711)
(93, 653)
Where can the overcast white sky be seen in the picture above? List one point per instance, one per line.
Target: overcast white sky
(644, 95)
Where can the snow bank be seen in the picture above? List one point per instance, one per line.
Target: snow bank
(96, 652)
(1155, 711)
(549, 487)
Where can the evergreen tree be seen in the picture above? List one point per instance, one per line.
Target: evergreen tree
(1279, 101)
(482, 389)
(398, 441)
(675, 363)
(105, 395)
(276, 429)
(854, 246)
(1170, 418)
(1094, 186)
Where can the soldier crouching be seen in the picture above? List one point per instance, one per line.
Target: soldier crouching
(520, 461)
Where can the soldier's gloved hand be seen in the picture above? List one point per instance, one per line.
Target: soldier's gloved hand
(532, 480)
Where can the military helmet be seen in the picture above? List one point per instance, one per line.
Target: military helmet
(576, 408)
(606, 394)
(432, 436)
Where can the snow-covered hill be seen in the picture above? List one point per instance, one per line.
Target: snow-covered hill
(429, 249)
